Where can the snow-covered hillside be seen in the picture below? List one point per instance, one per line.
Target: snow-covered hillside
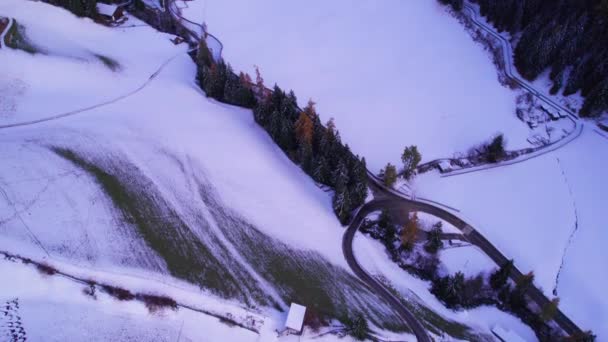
(162, 184)
(393, 73)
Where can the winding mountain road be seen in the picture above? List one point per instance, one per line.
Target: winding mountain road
(393, 201)
(347, 248)
(508, 54)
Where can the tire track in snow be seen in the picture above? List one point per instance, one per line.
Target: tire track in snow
(98, 105)
(11, 326)
(572, 234)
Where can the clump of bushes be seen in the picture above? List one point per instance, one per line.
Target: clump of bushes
(357, 327)
(155, 303)
(492, 151)
(118, 293)
(46, 269)
(314, 319)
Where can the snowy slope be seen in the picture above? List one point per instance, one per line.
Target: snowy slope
(163, 183)
(392, 73)
(544, 212)
(50, 308)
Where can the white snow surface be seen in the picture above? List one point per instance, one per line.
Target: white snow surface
(392, 73)
(372, 256)
(53, 308)
(530, 210)
(469, 260)
(427, 221)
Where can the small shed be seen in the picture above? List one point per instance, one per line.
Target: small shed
(295, 318)
(445, 166)
(110, 12)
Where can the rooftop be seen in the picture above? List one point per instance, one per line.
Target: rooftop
(295, 318)
(106, 9)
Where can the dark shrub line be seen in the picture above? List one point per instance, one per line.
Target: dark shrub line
(152, 302)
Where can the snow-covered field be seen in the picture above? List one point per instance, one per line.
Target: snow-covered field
(39, 307)
(530, 211)
(469, 260)
(392, 74)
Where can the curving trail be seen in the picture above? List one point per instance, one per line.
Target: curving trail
(98, 105)
(105, 103)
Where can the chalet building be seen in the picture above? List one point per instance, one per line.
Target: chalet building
(110, 13)
(295, 319)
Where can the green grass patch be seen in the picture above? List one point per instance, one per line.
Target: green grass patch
(141, 206)
(16, 38)
(302, 276)
(108, 62)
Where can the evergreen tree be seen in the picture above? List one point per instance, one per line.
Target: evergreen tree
(358, 181)
(449, 289)
(384, 220)
(499, 278)
(320, 172)
(286, 135)
(389, 175)
(203, 55)
(524, 282)
(275, 125)
(410, 158)
(357, 327)
(434, 243)
(262, 112)
(495, 150)
(341, 204)
(214, 80)
(549, 310)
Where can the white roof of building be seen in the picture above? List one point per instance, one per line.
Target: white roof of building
(445, 165)
(295, 317)
(106, 9)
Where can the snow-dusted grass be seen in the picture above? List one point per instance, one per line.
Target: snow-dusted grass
(51, 308)
(530, 212)
(393, 73)
(163, 182)
(374, 259)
